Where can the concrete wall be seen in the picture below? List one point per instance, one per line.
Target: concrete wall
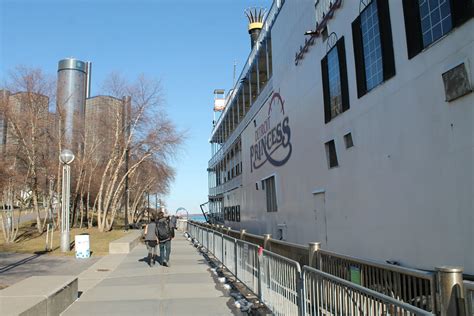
(405, 190)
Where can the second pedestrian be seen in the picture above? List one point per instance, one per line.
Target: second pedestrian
(164, 238)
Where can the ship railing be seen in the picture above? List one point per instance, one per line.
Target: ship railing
(293, 251)
(233, 137)
(469, 297)
(412, 286)
(280, 283)
(227, 186)
(326, 294)
(267, 25)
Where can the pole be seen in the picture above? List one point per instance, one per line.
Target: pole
(126, 119)
(66, 183)
(127, 193)
(450, 289)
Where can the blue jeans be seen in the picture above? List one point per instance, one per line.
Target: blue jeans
(165, 249)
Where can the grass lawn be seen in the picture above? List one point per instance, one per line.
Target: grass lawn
(30, 241)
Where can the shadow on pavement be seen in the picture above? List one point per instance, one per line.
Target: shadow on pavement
(19, 263)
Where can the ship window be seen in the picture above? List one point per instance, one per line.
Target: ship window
(348, 140)
(373, 47)
(246, 94)
(427, 21)
(254, 86)
(331, 154)
(335, 87)
(270, 192)
(435, 19)
(237, 213)
(262, 68)
(269, 53)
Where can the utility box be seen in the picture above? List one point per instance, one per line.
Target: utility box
(82, 245)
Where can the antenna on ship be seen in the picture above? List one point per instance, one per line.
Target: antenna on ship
(255, 17)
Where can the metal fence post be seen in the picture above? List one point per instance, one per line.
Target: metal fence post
(266, 241)
(300, 289)
(242, 233)
(260, 275)
(450, 291)
(235, 257)
(222, 247)
(313, 249)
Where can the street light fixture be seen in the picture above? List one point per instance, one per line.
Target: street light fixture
(66, 157)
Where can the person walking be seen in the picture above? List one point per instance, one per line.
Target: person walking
(151, 238)
(164, 232)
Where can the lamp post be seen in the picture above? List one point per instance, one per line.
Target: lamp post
(66, 157)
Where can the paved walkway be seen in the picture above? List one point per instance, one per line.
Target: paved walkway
(130, 287)
(15, 267)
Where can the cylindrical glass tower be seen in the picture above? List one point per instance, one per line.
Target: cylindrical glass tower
(71, 95)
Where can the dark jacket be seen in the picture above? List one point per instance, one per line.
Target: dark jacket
(164, 231)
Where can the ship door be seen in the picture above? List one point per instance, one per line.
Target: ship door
(319, 203)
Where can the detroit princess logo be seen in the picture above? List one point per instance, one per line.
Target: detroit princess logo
(272, 136)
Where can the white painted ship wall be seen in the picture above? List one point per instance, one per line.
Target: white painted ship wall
(405, 191)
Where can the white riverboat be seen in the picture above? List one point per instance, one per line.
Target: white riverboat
(352, 124)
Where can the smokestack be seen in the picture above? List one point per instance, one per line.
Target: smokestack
(255, 17)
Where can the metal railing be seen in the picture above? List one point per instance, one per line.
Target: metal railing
(280, 284)
(267, 24)
(281, 288)
(325, 294)
(229, 254)
(248, 268)
(226, 186)
(415, 287)
(469, 297)
(293, 251)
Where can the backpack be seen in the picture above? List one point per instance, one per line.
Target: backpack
(163, 230)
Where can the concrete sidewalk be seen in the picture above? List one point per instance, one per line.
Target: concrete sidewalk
(131, 287)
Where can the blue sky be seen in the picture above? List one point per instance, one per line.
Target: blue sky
(190, 45)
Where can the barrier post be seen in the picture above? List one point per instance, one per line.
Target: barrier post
(260, 274)
(242, 233)
(313, 251)
(450, 291)
(301, 294)
(235, 258)
(221, 259)
(266, 241)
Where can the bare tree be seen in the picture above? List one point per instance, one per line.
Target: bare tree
(29, 131)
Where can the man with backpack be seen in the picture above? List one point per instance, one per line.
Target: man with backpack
(165, 233)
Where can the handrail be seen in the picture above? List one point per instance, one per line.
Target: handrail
(409, 271)
(368, 292)
(289, 244)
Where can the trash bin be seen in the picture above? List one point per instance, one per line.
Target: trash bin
(82, 246)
